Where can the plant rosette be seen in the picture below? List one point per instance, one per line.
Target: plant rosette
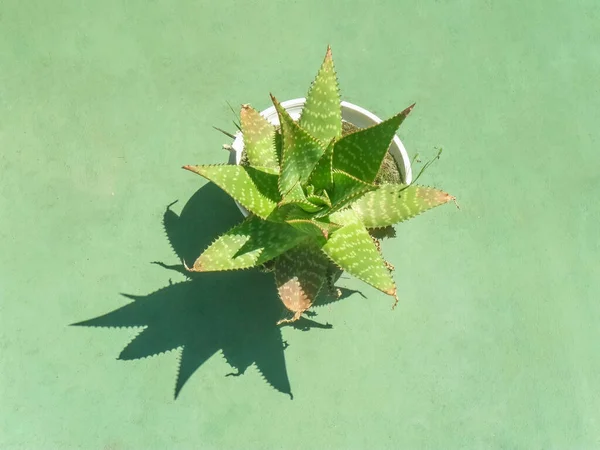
(351, 113)
(313, 195)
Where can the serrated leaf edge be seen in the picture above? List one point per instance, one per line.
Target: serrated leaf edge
(189, 168)
(329, 55)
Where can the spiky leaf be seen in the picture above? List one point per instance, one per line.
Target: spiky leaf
(279, 147)
(322, 113)
(388, 232)
(393, 203)
(254, 187)
(346, 187)
(296, 196)
(300, 154)
(352, 248)
(299, 275)
(362, 152)
(306, 223)
(312, 227)
(321, 200)
(249, 244)
(343, 217)
(322, 175)
(259, 138)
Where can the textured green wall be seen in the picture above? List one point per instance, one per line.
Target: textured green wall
(496, 340)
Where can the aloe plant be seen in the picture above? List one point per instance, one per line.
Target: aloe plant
(313, 198)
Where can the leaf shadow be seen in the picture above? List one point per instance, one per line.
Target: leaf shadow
(232, 313)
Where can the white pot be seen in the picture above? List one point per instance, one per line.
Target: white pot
(356, 115)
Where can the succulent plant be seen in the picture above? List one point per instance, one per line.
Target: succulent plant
(313, 198)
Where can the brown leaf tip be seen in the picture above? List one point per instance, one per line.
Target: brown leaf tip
(435, 197)
(395, 301)
(194, 268)
(246, 110)
(407, 111)
(455, 202)
(328, 55)
(444, 197)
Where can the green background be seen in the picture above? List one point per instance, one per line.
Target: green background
(496, 340)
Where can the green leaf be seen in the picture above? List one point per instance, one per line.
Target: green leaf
(345, 190)
(344, 217)
(296, 196)
(306, 223)
(346, 187)
(255, 188)
(361, 153)
(249, 244)
(300, 154)
(259, 139)
(279, 147)
(352, 249)
(326, 198)
(393, 203)
(321, 200)
(322, 112)
(299, 275)
(309, 227)
(322, 175)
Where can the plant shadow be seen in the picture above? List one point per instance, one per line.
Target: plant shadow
(234, 313)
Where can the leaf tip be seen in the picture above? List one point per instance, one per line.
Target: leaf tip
(395, 300)
(407, 111)
(444, 197)
(197, 267)
(277, 105)
(435, 197)
(245, 109)
(191, 168)
(456, 203)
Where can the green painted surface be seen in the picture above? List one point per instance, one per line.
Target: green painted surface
(496, 340)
